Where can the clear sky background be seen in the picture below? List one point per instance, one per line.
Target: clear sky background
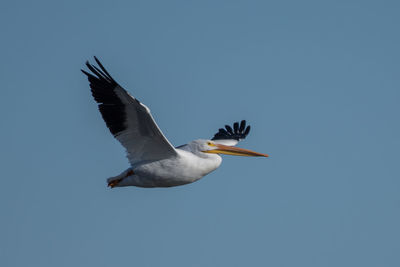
(318, 81)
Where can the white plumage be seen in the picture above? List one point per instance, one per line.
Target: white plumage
(154, 161)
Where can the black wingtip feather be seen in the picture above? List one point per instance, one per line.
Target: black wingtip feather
(104, 69)
(110, 105)
(242, 125)
(229, 129)
(84, 72)
(247, 130)
(237, 133)
(236, 127)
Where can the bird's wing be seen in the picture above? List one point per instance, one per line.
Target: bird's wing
(128, 120)
(229, 136)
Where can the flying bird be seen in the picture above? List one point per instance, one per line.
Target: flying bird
(154, 161)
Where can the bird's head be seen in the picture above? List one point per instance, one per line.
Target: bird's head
(213, 147)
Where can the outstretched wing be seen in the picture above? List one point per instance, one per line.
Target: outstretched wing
(128, 120)
(231, 137)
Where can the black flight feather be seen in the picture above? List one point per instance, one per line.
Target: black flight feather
(236, 127)
(237, 133)
(103, 90)
(229, 129)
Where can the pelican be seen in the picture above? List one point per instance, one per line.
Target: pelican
(154, 161)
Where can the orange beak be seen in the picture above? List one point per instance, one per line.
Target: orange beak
(235, 151)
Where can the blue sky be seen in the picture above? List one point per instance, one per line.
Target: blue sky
(317, 81)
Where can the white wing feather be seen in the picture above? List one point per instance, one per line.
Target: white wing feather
(142, 138)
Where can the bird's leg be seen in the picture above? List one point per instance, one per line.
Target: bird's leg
(115, 182)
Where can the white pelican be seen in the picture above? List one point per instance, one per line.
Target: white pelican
(154, 161)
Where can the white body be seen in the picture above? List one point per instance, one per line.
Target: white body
(185, 168)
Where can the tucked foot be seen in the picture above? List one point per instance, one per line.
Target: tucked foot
(114, 183)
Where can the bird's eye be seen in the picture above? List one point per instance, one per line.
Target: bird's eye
(210, 144)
